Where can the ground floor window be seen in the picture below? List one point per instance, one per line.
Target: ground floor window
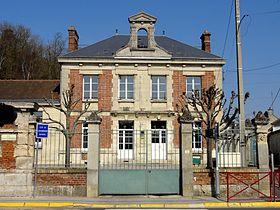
(126, 135)
(197, 137)
(158, 131)
(85, 136)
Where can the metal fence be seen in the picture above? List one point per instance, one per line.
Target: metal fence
(135, 149)
(230, 148)
(50, 152)
(145, 149)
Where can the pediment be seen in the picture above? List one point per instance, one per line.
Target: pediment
(142, 17)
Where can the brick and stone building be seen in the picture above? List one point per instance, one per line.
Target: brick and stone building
(137, 81)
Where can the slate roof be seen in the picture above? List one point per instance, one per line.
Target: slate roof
(28, 90)
(276, 122)
(108, 47)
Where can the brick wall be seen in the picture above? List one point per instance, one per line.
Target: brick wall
(77, 138)
(179, 88)
(106, 131)
(63, 182)
(105, 91)
(207, 80)
(7, 159)
(62, 179)
(76, 79)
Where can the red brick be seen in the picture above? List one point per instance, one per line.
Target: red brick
(207, 80)
(7, 161)
(106, 132)
(77, 138)
(105, 91)
(76, 79)
(61, 179)
(179, 89)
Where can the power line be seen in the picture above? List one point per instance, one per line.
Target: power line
(258, 68)
(266, 13)
(275, 97)
(229, 20)
(225, 42)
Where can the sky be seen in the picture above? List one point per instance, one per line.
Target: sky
(183, 20)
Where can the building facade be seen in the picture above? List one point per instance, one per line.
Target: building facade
(136, 83)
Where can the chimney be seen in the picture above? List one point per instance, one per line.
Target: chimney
(73, 39)
(205, 41)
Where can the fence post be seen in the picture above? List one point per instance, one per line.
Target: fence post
(273, 176)
(261, 123)
(217, 174)
(93, 155)
(186, 121)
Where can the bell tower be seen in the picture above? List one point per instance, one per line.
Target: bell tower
(146, 22)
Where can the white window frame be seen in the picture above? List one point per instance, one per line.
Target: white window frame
(38, 143)
(125, 153)
(158, 91)
(126, 87)
(197, 128)
(84, 128)
(193, 85)
(90, 87)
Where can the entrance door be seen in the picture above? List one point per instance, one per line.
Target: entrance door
(159, 140)
(125, 140)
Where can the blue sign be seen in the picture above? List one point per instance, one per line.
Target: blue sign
(42, 130)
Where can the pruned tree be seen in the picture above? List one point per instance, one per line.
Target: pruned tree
(211, 107)
(67, 108)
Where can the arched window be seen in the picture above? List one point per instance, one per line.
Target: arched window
(142, 36)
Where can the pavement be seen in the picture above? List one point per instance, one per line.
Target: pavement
(127, 202)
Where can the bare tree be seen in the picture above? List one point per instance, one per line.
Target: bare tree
(67, 108)
(54, 49)
(211, 107)
(25, 56)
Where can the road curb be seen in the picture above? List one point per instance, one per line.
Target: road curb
(141, 205)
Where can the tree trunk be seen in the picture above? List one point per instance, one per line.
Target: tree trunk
(209, 153)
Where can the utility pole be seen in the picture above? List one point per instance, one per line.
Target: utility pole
(240, 85)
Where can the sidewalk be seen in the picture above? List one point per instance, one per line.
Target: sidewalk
(128, 202)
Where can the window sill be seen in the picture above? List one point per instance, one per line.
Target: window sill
(196, 151)
(84, 150)
(90, 101)
(158, 101)
(126, 100)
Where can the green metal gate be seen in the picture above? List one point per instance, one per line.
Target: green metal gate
(140, 162)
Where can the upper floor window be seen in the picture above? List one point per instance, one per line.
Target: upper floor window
(126, 87)
(159, 87)
(90, 87)
(193, 84)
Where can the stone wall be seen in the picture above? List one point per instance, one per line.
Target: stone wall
(61, 182)
(16, 159)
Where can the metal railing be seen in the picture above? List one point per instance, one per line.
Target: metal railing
(230, 152)
(51, 151)
(145, 149)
